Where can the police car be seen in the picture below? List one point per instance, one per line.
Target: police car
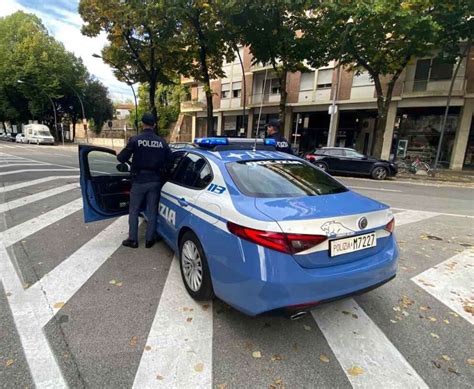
(261, 230)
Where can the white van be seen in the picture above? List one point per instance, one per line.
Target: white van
(37, 133)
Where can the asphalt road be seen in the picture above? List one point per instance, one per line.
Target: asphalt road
(77, 309)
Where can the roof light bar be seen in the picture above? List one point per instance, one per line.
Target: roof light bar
(211, 142)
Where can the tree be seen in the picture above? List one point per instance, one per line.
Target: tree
(271, 29)
(98, 105)
(385, 36)
(142, 39)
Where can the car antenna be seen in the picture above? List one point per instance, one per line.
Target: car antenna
(260, 111)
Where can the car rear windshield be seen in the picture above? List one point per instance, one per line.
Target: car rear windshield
(281, 178)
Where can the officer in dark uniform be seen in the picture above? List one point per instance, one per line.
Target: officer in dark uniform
(151, 157)
(273, 132)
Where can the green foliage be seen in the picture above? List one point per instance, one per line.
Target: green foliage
(98, 105)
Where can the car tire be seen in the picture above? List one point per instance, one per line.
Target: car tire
(194, 268)
(379, 173)
(322, 166)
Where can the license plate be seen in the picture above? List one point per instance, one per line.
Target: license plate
(355, 243)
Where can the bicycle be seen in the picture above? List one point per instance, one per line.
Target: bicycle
(417, 165)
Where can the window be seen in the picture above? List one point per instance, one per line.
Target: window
(353, 154)
(193, 171)
(324, 78)
(236, 89)
(103, 164)
(281, 178)
(334, 152)
(225, 91)
(440, 70)
(363, 79)
(306, 81)
(275, 86)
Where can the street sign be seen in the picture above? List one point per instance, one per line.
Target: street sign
(330, 109)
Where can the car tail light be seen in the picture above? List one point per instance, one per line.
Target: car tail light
(390, 227)
(285, 243)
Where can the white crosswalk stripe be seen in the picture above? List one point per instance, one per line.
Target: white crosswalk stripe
(36, 170)
(21, 185)
(36, 197)
(452, 283)
(23, 230)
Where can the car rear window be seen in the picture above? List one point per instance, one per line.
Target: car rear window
(281, 178)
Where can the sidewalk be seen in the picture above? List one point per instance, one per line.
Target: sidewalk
(462, 178)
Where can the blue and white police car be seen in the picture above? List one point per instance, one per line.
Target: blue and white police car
(261, 230)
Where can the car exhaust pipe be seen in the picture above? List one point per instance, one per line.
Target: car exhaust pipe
(298, 315)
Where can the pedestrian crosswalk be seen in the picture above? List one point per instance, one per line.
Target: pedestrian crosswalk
(180, 349)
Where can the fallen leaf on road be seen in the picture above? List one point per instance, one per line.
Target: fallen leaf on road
(205, 307)
(422, 308)
(221, 386)
(199, 367)
(446, 321)
(58, 305)
(346, 313)
(185, 309)
(436, 364)
(113, 282)
(257, 354)
(355, 371)
(147, 348)
(26, 286)
(451, 370)
(431, 318)
(393, 321)
(133, 341)
(436, 336)
(307, 328)
(445, 357)
(355, 316)
(470, 361)
(159, 377)
(118, 284)
(324, 358)
(406, 301)
(276, 357)
(9, 362)
(469, 309)
(278, 381)
(189, 319)
(454, 314)
(397, 309)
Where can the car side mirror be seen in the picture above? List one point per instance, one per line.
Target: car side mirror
(123, 168)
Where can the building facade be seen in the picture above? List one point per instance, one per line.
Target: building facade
(414, 119)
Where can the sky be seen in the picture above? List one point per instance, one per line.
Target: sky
(63, 21)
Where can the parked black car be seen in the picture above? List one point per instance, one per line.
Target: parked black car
(348, 161)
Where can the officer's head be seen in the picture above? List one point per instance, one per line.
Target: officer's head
(148, 120)
(273, 126)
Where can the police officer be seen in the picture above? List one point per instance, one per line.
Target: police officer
(151, 157)
(273, 132)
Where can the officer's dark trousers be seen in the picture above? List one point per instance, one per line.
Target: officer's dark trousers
(149, 193)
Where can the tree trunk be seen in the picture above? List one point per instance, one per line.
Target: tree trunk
(283, 97)
(379, 132)
(210, 113)
(151, 97)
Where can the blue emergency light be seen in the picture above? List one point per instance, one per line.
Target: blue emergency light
(212, 142)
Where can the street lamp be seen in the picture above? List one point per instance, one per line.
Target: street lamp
(129, 83)
(332, 123)
(52, 103)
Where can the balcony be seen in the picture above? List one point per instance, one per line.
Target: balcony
(268, 99)
(193, 105)
(430, 88)
(234, 102)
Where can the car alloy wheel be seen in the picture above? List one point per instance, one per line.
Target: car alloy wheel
(321, 165)
(192, 265)
(379, 173)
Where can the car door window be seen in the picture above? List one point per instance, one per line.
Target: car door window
(103, 164)
(353, 154)
(193, 172)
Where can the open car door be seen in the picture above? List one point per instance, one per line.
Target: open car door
(105, 190)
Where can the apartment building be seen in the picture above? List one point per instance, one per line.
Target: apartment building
(414, 119)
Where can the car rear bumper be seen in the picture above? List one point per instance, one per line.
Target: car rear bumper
(280, 283)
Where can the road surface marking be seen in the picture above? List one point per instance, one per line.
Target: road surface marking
(375, 189)
(15, 164)
(434, 213)
(41, 360)
(357, 342)
(452, 283)
(36, 197)
(36, 170)
(61, 283)
(8, 147)
(180, 340)
(25, 184)
(23, 230)
(410, 216)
